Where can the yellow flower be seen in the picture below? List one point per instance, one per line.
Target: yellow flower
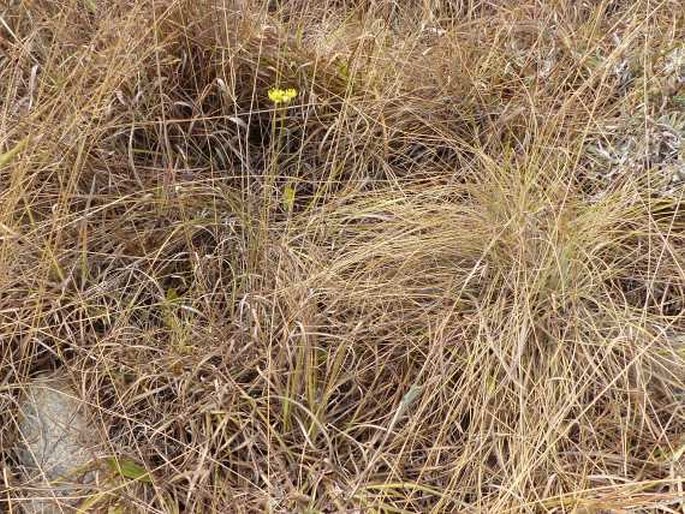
(284, 96)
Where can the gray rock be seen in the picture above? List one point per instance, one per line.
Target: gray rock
(57, 447)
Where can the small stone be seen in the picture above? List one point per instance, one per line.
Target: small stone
(57, 449)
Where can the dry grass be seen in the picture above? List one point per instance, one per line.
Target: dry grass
(472, 302)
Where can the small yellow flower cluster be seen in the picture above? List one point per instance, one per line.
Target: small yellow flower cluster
(283, 96)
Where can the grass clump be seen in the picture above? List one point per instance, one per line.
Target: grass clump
(350, 256)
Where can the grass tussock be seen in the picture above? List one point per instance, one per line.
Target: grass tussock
(447, 276)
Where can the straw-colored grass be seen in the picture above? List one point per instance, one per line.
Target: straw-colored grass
(449, 276)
